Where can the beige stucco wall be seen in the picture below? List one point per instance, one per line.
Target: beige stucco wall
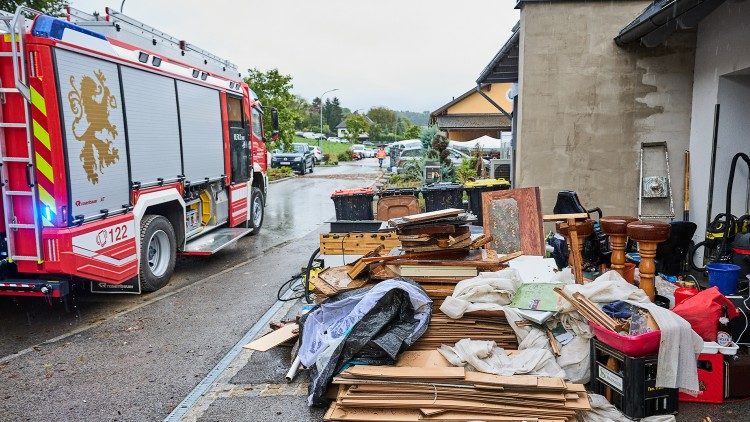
(586, 104)
(477, 104)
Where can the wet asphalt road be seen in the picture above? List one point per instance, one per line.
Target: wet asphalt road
(136, 357)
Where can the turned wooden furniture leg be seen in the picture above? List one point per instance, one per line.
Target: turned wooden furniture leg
(648, 234)
(575, 234)
(575, 251)
(616, 228)
(647, 268)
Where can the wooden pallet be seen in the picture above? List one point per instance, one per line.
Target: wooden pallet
(356, 243)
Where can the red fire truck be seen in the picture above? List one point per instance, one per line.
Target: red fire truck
(120, 147)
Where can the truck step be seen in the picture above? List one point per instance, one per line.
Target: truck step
(214, 241)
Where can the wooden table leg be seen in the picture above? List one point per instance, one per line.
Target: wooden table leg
(618, 243)
(575, 251)
(647, 268)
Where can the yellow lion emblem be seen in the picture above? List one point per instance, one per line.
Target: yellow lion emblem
(91, 105)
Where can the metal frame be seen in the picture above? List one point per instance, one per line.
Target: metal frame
(669, 182)
(18, 56)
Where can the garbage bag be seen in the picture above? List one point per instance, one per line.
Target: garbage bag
(703, 311)
(371, 325)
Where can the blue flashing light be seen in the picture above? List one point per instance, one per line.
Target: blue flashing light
(49, 27)
(47, 213)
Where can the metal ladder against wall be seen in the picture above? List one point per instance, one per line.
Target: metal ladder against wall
(655, 190)
(16, 27)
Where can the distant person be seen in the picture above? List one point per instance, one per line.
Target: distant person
(381, 154)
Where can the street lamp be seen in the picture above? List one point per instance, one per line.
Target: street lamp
(321, 111)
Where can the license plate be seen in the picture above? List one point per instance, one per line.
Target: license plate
(285, 163)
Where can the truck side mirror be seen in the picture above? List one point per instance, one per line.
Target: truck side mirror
(275, 123)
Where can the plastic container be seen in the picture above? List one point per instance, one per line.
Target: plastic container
(729, 350)
(353, 204)
(710, 380)
(631, 382)
(475, 189)
(397, 206)
(398, 192)
(636, 346)
(443, 195)
(710, 348)
(723, 276)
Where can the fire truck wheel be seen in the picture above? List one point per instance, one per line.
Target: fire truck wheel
(158, 252)
(256, 211)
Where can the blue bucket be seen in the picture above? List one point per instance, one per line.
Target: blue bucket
(724, 276)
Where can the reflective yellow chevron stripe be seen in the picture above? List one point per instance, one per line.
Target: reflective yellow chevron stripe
(45, 172)
(41, 134)
(45, 168)
(46, 198)
(38, 101)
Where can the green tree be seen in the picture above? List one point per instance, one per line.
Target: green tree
(413, 132)
(356, 124)
(426, 136)
(50, 7)
(275, 90)
(383, 116)
(334, 113)
(376, 133)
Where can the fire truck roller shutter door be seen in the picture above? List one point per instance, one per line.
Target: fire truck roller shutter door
(92, 121)
(153, 129)
(202, 136)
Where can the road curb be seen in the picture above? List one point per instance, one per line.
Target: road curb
(271, 182)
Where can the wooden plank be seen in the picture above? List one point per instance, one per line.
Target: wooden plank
(274, 338)
(432, 215)
(426, 230)
(358, 266)
(404, 372)
(563, 217)
(514, 220)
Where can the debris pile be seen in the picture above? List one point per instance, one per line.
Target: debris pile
(441, 392)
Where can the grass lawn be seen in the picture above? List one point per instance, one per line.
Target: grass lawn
(328, 147)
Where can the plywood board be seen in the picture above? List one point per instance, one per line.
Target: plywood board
(404, 372)
(514, 220)
(274, 338)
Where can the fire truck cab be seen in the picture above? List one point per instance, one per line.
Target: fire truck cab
(120, 147)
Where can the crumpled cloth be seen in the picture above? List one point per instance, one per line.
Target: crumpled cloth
(603, 411)
(486, 292)
(485, 356)
(678, 350)
(607, 288)
(574, 356)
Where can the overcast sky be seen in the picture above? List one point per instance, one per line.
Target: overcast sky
(404, 54)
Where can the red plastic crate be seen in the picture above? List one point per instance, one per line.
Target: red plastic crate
(635, 346)
(710, 380)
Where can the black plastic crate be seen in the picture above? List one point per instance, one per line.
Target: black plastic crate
(440, 196)
(633, 385)
(353, 204)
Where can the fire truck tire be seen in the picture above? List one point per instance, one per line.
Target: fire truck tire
(158, 252)
(257, 211)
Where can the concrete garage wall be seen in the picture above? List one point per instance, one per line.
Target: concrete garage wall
(722, 50)
(587, 104)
